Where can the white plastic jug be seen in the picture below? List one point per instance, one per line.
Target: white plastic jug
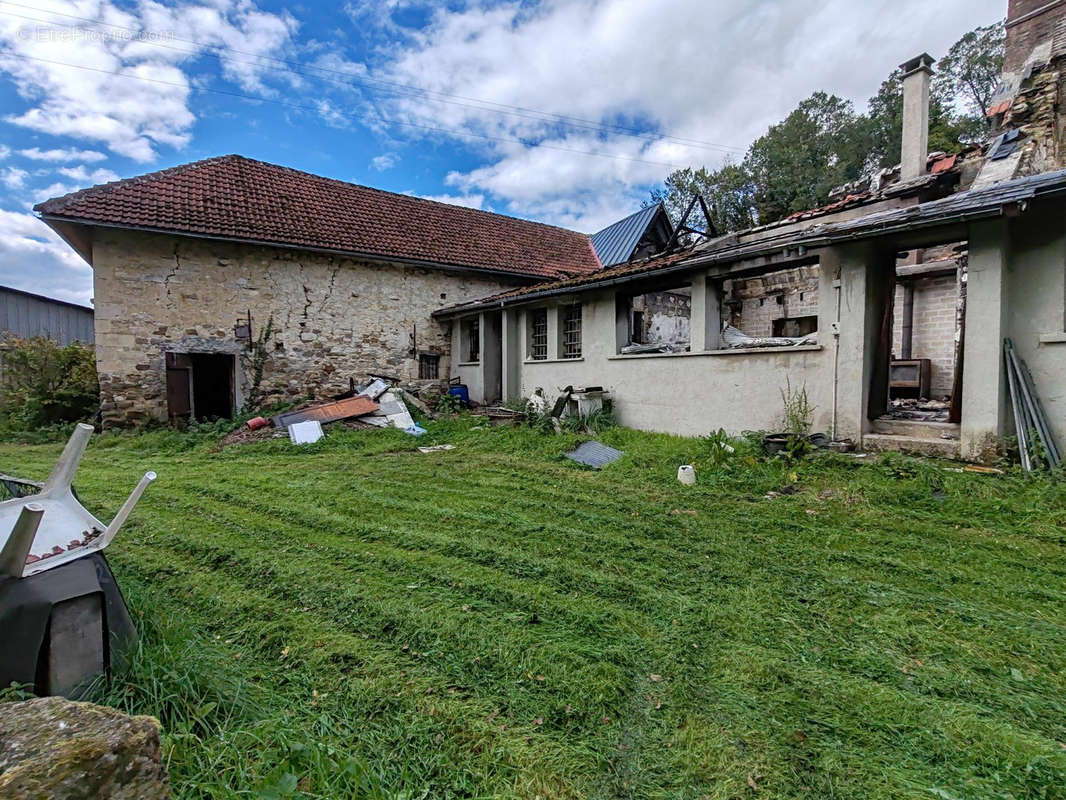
(686, 474)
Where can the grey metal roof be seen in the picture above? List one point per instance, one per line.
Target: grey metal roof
(616, 243)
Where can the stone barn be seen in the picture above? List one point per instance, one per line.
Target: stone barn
(193, 266)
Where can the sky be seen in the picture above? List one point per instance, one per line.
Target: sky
(563, 111)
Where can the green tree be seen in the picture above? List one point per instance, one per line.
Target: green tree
(728, 192)
(883, 123)
(45, 383)
(795, 164)
(968, 75)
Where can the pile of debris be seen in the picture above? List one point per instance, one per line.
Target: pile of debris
(920, 409)
(374, 404)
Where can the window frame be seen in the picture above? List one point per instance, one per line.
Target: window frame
(538, 338)
(424, 362)
(569, 332)
(470, 340)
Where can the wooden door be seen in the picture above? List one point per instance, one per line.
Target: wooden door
(179, 387)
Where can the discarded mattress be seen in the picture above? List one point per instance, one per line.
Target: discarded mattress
(594, 454)
(734, 337)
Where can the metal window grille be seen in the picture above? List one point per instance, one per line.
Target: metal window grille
(428, 366)
(473, 340)
(571, 331)
(538, 335)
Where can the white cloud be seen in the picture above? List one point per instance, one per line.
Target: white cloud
(13, 177)
(62, 154)
(130, 91)
(5, 151)
(35, 259)
(732, 69)
(83, 175)
(384, 161)
(476, 201)
(57, 189)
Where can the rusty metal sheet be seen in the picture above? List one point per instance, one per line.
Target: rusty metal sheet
(357, 406)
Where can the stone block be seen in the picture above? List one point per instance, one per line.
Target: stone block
(57, 749)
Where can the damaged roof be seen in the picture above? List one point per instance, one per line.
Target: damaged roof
(961, 207)
(237, 198)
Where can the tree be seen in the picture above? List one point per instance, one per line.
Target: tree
(728, 192)
(968, 75)
(823, 143)
(883, 123)
(45, 383)
(796, 163)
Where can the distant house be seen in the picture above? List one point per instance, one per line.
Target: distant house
(24, 314)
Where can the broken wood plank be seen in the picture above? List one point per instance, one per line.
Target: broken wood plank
(357, 406)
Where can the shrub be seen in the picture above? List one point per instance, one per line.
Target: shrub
(45, 383)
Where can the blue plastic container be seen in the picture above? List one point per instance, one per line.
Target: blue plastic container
(460, 391)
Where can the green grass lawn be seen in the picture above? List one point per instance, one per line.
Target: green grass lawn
(356, 619)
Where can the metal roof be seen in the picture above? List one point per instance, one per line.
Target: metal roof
(616, 243)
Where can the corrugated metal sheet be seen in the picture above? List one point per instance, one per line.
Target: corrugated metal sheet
(24, 315)
(594, 454)
(615, 243)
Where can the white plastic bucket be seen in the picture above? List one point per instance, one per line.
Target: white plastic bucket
(686, 474)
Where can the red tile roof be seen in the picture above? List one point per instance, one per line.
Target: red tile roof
(233, 197)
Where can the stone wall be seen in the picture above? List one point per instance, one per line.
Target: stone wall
(333, 317)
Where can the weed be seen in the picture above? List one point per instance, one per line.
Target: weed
(798, 416)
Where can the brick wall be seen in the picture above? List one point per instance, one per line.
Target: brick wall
(933, 334)
(333, 317)
(1023, 36)
(752, 305)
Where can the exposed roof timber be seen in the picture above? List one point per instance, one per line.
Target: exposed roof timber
(936, 221)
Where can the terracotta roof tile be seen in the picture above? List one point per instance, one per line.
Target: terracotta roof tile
(630, 268)
(239, 198)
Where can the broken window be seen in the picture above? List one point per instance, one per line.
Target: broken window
(570, 328)
(428, 366)
(658, 321)
(471, 339)
(783, 303)
(538, 334)
(795, 326)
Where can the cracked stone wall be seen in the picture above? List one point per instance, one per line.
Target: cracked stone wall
(334, 317)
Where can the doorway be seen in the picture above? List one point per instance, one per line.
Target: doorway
(199, 386)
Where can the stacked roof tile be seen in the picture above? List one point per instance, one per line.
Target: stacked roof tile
(232, 197)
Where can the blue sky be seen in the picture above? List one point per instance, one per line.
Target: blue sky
(563, 111)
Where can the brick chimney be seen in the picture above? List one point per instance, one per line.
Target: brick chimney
(1029, 23)
(915, 151)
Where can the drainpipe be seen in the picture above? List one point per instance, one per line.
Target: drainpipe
(907, 325)
(914, 153)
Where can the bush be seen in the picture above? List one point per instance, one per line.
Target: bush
(45, 383)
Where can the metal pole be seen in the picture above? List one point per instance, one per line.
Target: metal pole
(1019, 416)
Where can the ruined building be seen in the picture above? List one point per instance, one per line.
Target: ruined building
(903, 287)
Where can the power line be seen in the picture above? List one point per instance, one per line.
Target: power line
(391, 86)
(319, 110)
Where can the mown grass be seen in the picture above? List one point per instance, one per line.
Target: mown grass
(356, 619)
